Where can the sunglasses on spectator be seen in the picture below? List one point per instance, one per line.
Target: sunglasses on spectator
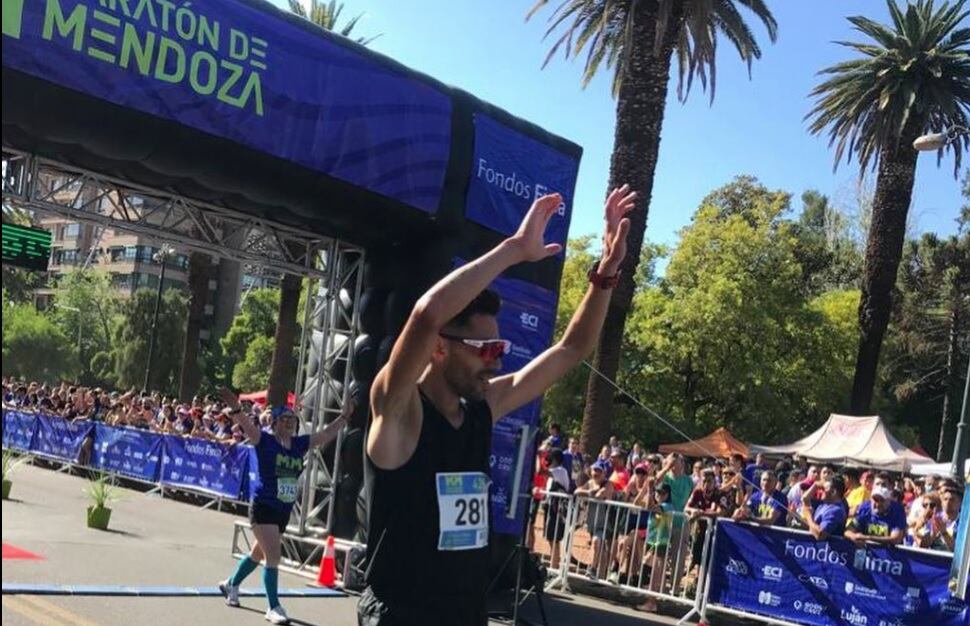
(487, 349)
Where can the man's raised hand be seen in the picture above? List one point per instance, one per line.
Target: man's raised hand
(620, 202)
(530, 238)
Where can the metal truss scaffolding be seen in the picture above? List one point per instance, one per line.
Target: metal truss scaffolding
(325, 371)
(38, 184)
(335, 271)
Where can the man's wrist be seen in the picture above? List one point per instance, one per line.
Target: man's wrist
(512, 249)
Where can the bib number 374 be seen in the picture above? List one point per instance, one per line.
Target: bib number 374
(462, 510)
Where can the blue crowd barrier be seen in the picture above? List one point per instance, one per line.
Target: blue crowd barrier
(58, 438)
(169, 460)
(130, 452)
(791, 577)
(205, 466)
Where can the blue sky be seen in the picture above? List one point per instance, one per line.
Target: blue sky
(754, 126)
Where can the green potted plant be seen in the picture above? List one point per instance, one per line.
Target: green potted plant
(101, 492)
(11, 460)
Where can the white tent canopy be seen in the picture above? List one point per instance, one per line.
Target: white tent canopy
(848, 440)
(940, 469)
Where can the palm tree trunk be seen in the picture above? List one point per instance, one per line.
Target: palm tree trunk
(191, 373)
(884, 248)
(280, 373)
(636, 144)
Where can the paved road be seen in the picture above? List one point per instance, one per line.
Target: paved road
(163, 542)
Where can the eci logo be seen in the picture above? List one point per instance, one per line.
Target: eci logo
(770, 572)
(529, 320)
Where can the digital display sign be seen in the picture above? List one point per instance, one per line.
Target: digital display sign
(26, 247)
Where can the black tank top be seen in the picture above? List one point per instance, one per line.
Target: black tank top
(403, 524)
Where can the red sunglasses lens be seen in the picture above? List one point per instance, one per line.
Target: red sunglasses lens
(492, 350)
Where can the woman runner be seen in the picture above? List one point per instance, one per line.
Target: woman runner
(279, 455)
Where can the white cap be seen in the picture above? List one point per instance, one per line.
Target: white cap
(881, 492)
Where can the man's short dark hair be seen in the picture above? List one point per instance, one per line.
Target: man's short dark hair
(838, 484)
(737, 456)
(554, 454)
(851, 472)
(885, 477)
(486, 303)
(555, 426)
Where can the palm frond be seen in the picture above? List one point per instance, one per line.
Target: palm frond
(912, 77)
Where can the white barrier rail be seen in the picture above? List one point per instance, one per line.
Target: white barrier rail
(662, 555)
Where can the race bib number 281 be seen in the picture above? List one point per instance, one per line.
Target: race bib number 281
(462, 510)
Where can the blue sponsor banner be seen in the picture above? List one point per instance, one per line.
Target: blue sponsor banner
(205, 466)
(18, 430)
(509, 171)
(57, 438)
(961, 557)
(254, 482)
(128, 451)
(244, 72)
(788, 575)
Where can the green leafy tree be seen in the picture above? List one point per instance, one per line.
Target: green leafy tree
(256, 320)
(828, 253)
(929, 340)
(34, 347)
(86, 307)
(638, 41)
(252, 373)
(132, 337)
(912, 77)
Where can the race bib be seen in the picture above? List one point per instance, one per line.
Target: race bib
(462, 510)
(286, 490)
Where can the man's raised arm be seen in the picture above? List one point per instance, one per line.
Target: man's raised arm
(395, 384)
(511, 391)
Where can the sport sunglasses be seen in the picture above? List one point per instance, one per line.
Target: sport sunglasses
(488, 349)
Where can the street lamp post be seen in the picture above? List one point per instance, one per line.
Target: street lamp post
(930, 143)
(160, 257)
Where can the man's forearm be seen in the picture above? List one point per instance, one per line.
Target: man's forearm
(584, 328)
(451, 294)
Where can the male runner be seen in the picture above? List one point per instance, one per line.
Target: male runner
(434, 404)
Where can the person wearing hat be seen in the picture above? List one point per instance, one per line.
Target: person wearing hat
(879, 519)
(279, 459)
(598, 520)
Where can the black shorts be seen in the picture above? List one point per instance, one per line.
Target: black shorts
(263, 514)
(428, 611)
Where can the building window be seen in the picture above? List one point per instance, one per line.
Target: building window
(71, 231)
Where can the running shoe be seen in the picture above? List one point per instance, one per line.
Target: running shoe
(230, 592)
(277, 615)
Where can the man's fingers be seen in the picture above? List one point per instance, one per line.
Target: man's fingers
(553, 249)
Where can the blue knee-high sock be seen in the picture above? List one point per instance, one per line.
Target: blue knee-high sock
(246, 567)
(271, 581)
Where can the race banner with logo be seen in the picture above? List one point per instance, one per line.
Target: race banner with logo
(205, 466)
(509, 171)
(247, 73)
(788, 575)
(58, 438)
(128, 451)
(18, 430)
(960, 570)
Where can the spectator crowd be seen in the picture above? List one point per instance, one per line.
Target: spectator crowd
(202, 418)
(674, 499)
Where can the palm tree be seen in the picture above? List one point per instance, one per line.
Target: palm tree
(638, 40)
(324, 15)
(914, 77)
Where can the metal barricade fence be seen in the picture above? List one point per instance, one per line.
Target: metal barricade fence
(662, 555)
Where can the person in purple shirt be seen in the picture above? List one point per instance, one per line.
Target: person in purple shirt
(879, 520)
(767, 506)
(829, 517)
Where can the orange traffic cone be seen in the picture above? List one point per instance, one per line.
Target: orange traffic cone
(328, 567)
